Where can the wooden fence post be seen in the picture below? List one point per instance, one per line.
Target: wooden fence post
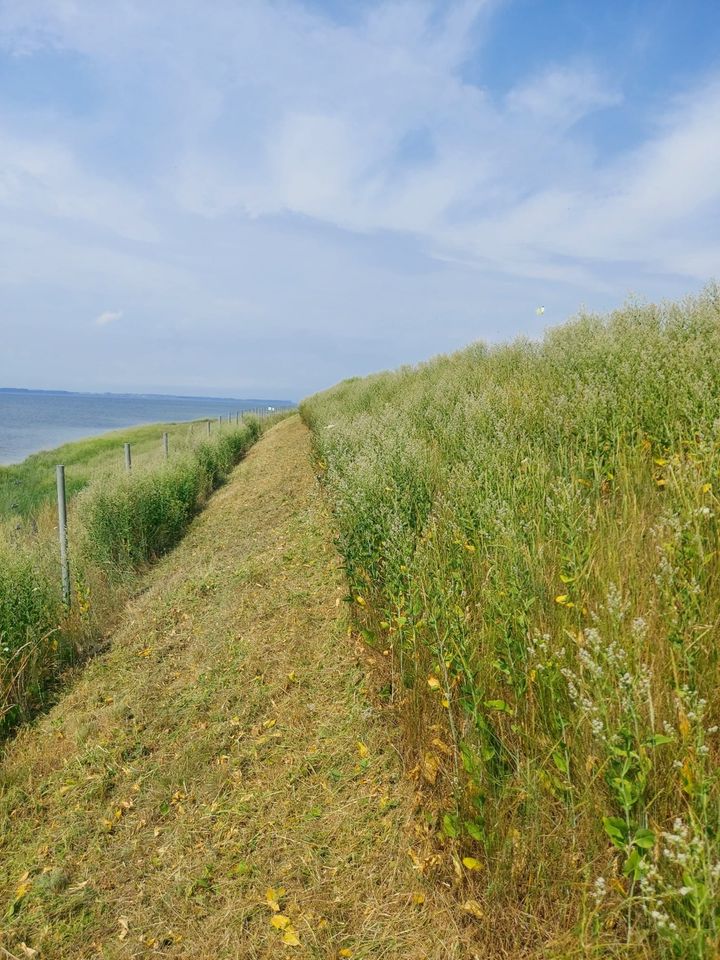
(128, 458)
(166, 445)
(62, 529)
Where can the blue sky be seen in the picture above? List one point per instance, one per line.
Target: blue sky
(261, 198)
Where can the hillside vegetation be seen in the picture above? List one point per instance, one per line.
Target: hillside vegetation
(26, 487)
(117, 525)
(533, 531)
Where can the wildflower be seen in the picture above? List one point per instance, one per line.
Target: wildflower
(599, 890)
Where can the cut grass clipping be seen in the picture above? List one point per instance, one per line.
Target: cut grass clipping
(117, 527)
(533, 529)
(220, 784)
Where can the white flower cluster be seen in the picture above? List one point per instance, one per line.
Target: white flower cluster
(670, 904)
(606, 665)
(599, 890)
(540, 655)
(615, 604)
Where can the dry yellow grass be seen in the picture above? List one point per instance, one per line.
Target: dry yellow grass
(228, 746)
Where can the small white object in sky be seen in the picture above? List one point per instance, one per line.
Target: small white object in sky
(108, 317)
(540, 311)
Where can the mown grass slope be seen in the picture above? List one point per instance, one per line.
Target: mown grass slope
(533, 530)
(117, 526)
(223, 783)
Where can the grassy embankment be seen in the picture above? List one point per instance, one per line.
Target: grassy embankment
(25, 487)
(222, 783)
(533, 530)
(118, 524)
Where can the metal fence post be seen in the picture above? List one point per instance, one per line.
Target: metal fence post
(62, 529)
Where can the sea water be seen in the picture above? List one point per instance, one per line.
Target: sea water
(33, 420)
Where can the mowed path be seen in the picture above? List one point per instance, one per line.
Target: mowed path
(227, 743)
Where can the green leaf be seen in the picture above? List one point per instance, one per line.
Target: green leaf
(617, 830)
(498, 705)
(475, 831)
(468, 758)
(658, 740)
(450, 825)
(560, 761)
(645, 839)
(634, 865)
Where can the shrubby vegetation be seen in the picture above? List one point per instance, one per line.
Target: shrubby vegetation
(138, 518)
(26, 487)
(117, 526)
(534, 531)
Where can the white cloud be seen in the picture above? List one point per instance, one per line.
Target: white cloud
(108, 316)
(258, 166)
(561, 95)
(40, 176)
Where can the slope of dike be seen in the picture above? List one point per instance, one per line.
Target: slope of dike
(222, 783)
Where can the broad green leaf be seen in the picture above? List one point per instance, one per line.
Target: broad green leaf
(645, 839)
(475, 831)
(617, 830)
(450, 825)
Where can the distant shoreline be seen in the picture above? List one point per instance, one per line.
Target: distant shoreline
(146, 396)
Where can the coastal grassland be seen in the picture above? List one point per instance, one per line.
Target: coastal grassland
(118, 525)
(222, 782)
(533, 531)
(25, 487)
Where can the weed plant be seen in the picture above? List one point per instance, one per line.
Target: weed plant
(533, 530)
(117, 527)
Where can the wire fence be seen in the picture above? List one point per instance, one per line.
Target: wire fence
(237, 418)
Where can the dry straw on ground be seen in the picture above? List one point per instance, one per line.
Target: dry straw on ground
(222, 783)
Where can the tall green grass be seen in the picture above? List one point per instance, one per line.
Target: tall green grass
(534, 530)
(26, 487)
(117, 527)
